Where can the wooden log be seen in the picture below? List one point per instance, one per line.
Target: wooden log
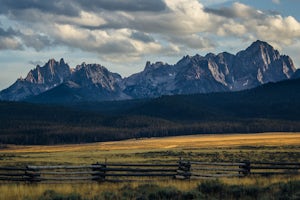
(30, 167)
(274, 173)
(13, 179)
(99, 166)
(187, 175)
(217, 175)
(275, 167)
(217, 169)
(142, 174)
(218, 163)
(141, 165)
(138, 170)
(68, 173)
(276, 163)
(66, 178)
(13, 168)
(179, 177)
(11, 174)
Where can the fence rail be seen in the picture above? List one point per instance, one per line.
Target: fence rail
(182, 169)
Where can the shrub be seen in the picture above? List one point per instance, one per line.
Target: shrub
(108, 195)
(289, 190)
(211, 187)
(165, 193)
(52, 195)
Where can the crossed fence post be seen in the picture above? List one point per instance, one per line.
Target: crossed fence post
(32, 175)
(184, 169)
(100, 168)
(246, 168)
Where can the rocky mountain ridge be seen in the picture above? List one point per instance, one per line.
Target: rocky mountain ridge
(260, 63)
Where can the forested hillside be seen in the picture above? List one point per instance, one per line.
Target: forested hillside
(272, 107)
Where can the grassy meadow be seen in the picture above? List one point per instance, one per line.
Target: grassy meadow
(271, 147)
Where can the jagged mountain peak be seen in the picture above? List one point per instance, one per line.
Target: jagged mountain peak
(95, 72)
(270, 66)
(184, 60)
(258, 64)
(62, 61)
(51, 73)
(260, 43)
(152, 66)
(86, 66)
(210, 55)
(260, 48)
(52, 62)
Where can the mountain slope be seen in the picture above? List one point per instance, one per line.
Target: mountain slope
(37, 81)
(296, 74)
(273, 100)
(258, 64)
(88, 82)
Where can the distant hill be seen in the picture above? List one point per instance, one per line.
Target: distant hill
(267, 108)
(273, 100)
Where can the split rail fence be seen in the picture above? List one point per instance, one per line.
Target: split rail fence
(184, 170)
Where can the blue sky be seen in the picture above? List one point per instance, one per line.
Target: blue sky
(123, 35)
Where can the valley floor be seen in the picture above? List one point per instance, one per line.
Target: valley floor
(269, 147)
(178, 142)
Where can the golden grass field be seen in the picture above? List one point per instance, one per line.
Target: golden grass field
(227, 147)
(186, 142)
(239, 146)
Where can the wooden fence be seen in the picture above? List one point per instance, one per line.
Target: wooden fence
(184, 170)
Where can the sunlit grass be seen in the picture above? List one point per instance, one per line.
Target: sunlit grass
(236, 147)
(90, 190)
(193, 141)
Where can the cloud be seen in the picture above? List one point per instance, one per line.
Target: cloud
(124, 5)
(192, 41)
(36, 62)
(129, 30)
(238, 10)
(108, 44)
(36, 41)
(276, 1)
(59, 7)
(10, 43)
(9, 40)
(141, 36)
(74, 7)
(244, 21)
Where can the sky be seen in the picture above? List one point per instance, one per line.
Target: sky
(123, 34)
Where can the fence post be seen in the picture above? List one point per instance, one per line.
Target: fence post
(32, 175)
(101, 169)
(184, 169)
(246, 167)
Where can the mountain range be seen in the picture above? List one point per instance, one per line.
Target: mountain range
(57, 82)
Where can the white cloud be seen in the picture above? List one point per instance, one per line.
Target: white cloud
(244, 21)
(84, 19)
(10, 43)
(276, 1)
(213, 2)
